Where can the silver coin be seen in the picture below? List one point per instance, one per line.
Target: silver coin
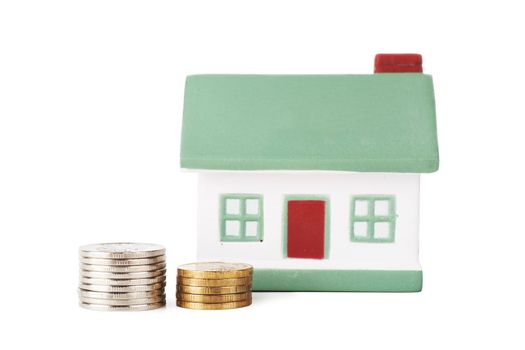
(123, 262)
(124, 302)
(143, 307)
(110, 282)
(120, 296)
(122, 276)
(123, 269)
(122, 289)
(121, 250)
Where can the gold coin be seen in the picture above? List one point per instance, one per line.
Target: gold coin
(122, 289)
(206, 282)
(122, 276)
(218, 298)
(214, 290)
(123, 262)
(215, 306)
(129, 295)
(142, 307)
(123, 269)
(111, 282)
(124, 302)
(215, 270)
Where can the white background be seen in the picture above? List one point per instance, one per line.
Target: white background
(90, 110)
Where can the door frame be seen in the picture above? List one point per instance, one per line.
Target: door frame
(314, 197)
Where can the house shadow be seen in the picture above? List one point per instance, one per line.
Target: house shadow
(263, 297)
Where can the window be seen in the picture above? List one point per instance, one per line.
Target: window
(241, 218)
(373, 219)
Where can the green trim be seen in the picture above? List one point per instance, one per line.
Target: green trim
(242, 218)
(358, 165)
(369, 123)
(326, 199)
(295, 280)
(371, 218)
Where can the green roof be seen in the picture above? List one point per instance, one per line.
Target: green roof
(372, 123)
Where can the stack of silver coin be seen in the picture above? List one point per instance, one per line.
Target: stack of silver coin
(122, 276)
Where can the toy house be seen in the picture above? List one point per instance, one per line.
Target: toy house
(313, 179)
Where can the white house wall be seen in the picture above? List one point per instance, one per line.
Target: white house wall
(338, 187)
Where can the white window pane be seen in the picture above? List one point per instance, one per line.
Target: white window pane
(382, 230)
(360, 229)
(251, 228)
(382, 208)
(361, 208)
(233, 206)
(233, 228)
(252, 206)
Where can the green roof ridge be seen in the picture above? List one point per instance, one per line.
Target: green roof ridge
(369, 123)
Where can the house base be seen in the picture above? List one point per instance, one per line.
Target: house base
(294, 280)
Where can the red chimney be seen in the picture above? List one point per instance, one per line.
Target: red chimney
(398, 63)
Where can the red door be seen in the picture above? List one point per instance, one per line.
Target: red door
(306, 222)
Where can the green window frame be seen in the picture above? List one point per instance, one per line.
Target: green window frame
(241, 217)
(373, 219)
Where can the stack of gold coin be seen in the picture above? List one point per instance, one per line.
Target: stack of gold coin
(122, 276)
(214, 285)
